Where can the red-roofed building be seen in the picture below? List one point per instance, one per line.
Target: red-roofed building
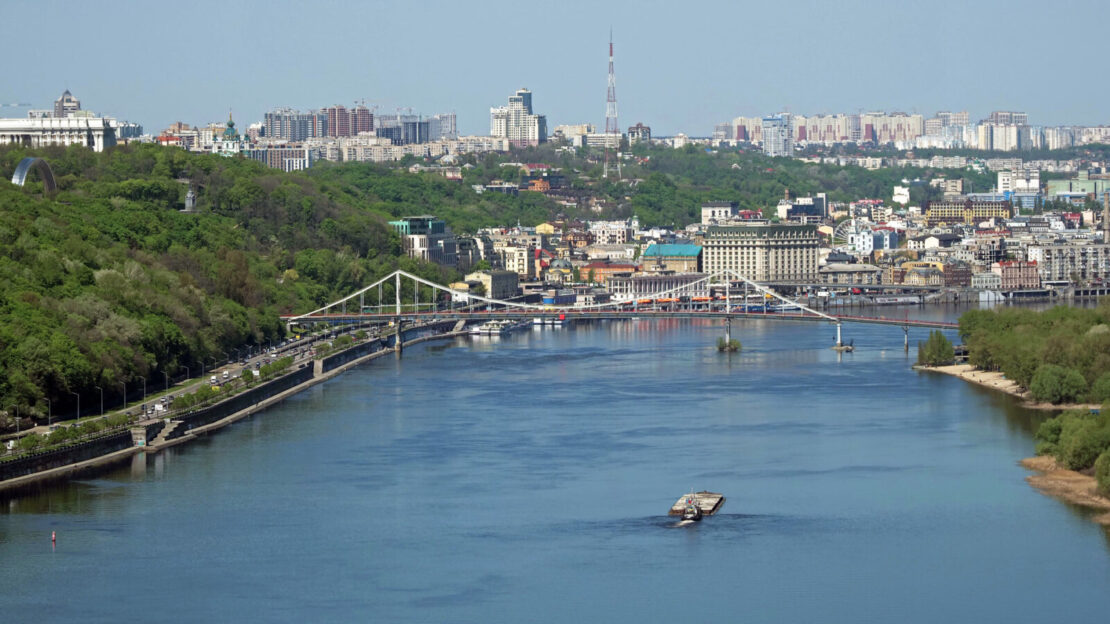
(170, 140)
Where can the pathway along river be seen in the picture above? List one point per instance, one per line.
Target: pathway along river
(526, 480)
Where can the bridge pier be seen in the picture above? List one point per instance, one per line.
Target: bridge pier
(399, 338)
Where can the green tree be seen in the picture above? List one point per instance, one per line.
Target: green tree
(1056, 384)
(937, 350)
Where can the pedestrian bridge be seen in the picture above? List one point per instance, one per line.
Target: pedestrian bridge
(402, 296)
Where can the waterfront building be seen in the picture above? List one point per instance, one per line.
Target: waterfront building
(517, 122)
(856, 274)
(498, 284)
(628, 286)
(1071, 262)
(672, 257)
(598, 272)
(1017, 275)
(95, 133)
(987, 280)
(764, 253)
(968, 211)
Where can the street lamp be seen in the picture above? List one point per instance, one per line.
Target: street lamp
(101, 399)
(166, 377)
(124, 384)
(188, 375)
(144, 387)
(78, 405)
(49, 413)
(227, 358)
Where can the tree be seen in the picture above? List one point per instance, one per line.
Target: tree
(1102, 473)
(937, 350)
(1056, 384)
(483, 265)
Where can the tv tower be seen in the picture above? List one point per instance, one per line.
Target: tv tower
(611, 126)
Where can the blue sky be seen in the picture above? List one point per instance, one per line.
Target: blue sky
(681, 67)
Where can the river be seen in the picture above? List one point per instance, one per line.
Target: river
(526, 479)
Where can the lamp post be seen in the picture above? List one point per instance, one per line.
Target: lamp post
(166, 377)
(78, 405)
(124, 384)
(101, 399)
(49, 413)
(188, 375)
(144, 387)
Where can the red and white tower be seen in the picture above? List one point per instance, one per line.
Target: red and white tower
(612, 129)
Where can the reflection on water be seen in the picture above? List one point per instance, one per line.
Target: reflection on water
(528, 479)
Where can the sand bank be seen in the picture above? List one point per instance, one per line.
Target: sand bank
(1067, 485)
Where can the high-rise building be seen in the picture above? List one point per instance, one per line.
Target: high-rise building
(291, 125)
(443, 126)
(953, 119)
(777, 140)
(66, 105)
(1008, 118)
(517, 122)
(362, 120)
(339, 121)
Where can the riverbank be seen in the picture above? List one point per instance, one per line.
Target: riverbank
(24, 482)
(1068, 485)
(998, 381)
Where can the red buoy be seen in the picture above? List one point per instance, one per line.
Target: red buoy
(53, 537)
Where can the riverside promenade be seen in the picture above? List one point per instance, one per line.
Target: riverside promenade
(165, 438)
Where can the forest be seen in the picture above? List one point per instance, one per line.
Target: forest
(106, 283)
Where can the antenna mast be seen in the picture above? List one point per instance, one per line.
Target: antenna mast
(612, 128)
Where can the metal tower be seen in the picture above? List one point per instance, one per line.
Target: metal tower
(611, 126)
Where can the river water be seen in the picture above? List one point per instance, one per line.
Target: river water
(526, 479)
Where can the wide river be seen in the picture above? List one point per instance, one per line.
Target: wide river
(526, 479)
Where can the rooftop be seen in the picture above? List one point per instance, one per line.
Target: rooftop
(655, 249)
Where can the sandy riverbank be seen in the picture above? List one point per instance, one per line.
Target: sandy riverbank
(1067, 485)
(998, 381)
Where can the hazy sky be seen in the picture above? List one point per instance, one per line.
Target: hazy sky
(680, 66)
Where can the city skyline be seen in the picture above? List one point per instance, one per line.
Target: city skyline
(675, 72)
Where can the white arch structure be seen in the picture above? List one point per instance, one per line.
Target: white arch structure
(396, 277)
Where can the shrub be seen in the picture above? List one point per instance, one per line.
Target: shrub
(1056, 384)
(1081, 442)
(1102, 473)
(1100, 389)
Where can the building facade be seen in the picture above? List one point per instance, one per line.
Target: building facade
(1071, 263)
(763, 253)
(95, 133)
(968, 211)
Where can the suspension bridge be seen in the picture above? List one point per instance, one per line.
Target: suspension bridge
(404, 297)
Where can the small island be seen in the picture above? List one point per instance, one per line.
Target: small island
(730, 345)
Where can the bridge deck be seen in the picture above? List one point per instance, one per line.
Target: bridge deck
(619, 315)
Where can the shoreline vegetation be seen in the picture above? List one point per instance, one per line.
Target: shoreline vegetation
(1058, 360)
(1078, 487)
